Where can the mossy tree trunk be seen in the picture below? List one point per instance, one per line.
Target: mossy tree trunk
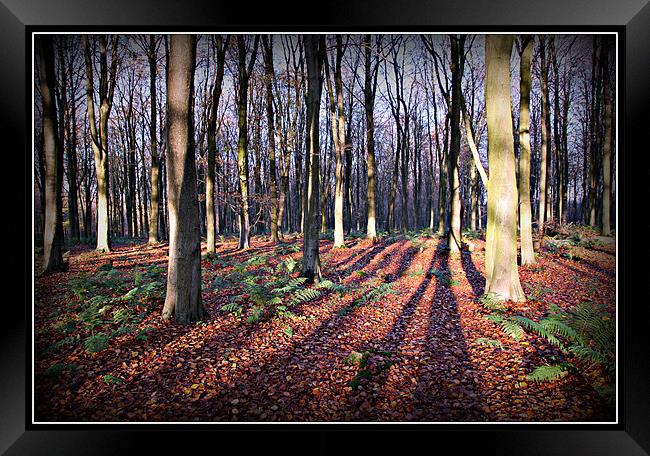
(525, 212)
(501, 274)
(244, 73)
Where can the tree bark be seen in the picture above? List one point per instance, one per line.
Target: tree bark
(607, 145)
(99, 139)
(53, 153)
(525, 213)
(244, 72)
(314, 54)
(543, 177)
(457, 51)
(211, 226)
(502, 277)
(369, 91)
(183, 299)
(153, 138)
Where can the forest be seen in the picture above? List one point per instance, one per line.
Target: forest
(329, 228)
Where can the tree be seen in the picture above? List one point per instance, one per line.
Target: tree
(545, 127)
(337, 114)
(152, 58)
(501, 275)
(314, 56)
(220, 50)
(371, 67)
(607, 145)
(269, 79)
(53, 153)
(183, 299)
(99, 136)
(525, 212)
(244, 74)
(457, 62)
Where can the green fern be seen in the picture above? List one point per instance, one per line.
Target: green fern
(490, 342)
(538, 329)
(548, 373)
(559, 328)
(512, 329)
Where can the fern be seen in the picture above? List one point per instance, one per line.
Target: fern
(558, 327)
(489, 342)
(548, 373)
(512, 329)
(494, 318)
(304, 295)
(538, 329)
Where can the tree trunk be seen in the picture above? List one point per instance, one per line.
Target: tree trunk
(211, 225)
(314, 53)
(543, 177)
(183, 299)
(271, 132)
(369, 90)
(244, 72)
(155, 197)
(607, 145)
(501, 275)
(53, 152)
(457, 51)
(100, 139)
(525, 213)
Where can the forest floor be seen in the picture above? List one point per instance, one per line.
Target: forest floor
(400, 334)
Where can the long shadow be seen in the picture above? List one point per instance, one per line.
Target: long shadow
(380, 355)
(597, 268)
(474, 276)
(302, 355)
(446, 388)
(310, 362)
(361, 261)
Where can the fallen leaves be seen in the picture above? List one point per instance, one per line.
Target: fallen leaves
(411, 355)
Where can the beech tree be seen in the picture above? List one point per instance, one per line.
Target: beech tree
(525, 213)
(457, 63)
(337, 114)
(607, 144)
(152, 58)
(183, 298)
(545, 133)
(244, 73)
(53, 163)
(501, 274)
(220, 47)
(371, 66)
(314, 56)
(99, 136)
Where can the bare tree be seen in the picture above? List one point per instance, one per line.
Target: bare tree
(99, 136)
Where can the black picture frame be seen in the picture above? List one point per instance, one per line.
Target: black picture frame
(631, 18)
